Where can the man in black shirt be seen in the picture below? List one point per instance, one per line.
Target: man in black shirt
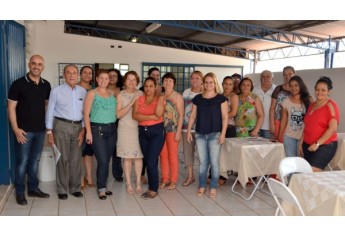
(27, 100)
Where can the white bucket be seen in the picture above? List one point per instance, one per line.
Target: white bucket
(47, 168)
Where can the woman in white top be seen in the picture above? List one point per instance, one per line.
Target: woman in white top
(189, 148)
(128, 147)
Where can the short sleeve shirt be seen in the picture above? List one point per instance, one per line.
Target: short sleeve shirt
(209, 114)
(316, 122)
(295, 121)
(30, 98)
(279, 94)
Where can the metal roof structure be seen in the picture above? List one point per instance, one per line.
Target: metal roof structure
(259, 40)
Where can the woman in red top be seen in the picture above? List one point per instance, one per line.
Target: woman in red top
(320, 140)
(148, 111)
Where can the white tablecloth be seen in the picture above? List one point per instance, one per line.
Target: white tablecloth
(338, 161)
(251, 157)
(321, 193)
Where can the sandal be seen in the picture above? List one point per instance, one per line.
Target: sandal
(102, 196)
(172, 186)
(86, 182)
(129, 189)
(149, 194)
(143, 179)
(249, 183)
(200, 192)
(163, 185)
(138, 188)
(213, 193)
(221, 182)
(188, 181)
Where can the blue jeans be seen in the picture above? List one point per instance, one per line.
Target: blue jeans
(151, 139)
(27, 159)
(291, 146)
(104, 140)
(265, 134)
(209, 151)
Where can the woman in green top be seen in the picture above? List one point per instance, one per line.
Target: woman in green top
(99, 118)
(250, 113)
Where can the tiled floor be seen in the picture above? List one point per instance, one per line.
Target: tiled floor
(180, 202)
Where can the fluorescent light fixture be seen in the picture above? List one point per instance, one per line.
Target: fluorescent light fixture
(152, 27)
(133, 39)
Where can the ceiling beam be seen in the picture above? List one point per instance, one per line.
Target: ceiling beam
(157, 41)
(238, 29)
(285, 28)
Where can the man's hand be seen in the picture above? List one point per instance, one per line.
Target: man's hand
(81, 136)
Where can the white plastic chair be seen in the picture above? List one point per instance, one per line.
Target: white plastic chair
(290, 165)
(281, 191)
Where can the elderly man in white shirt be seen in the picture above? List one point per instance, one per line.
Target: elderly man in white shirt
(264, 91)
(65, 128)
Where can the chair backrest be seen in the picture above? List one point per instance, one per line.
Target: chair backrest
(281, 191)
(290, 165)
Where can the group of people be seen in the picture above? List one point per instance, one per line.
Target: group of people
(115, 120)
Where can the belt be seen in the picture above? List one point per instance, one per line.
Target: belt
(68, 121)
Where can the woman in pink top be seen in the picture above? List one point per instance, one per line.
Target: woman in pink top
(320, 140)
(148, 111)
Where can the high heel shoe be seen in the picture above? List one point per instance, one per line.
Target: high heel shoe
(86, 182)
(188, 181)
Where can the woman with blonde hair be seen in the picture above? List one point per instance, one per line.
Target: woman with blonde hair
(210, 110)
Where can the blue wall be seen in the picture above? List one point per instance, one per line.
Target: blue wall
(12, 66)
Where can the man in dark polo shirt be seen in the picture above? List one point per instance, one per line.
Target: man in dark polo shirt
(27, 100)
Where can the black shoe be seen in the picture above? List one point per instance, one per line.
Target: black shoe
(77, 194)
(21, 200)
(38, 193)
(63, 196)
(109, 193)
(102, 197)
(119, 179)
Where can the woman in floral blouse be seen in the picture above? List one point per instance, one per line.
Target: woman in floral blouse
(250, 114)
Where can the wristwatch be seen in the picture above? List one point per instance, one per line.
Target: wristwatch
(49, 132)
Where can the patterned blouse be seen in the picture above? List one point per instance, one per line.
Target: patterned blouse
(246, 115)
(170, 116)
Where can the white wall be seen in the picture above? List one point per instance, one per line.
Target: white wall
(48, 39)
(310, 77)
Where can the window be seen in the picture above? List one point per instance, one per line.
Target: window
(79, 65)
(181, 71)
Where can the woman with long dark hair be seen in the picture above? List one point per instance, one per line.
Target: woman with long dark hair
(294, 108)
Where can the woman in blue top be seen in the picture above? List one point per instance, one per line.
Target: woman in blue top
(210, 110)
(99, 118)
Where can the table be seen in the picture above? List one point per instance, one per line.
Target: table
(338, 161)
(250, 157)
(320, 193)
